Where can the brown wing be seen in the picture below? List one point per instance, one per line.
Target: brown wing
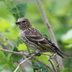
(45, 45)
(34, 36)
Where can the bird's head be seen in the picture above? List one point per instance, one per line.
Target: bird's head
(23, 23)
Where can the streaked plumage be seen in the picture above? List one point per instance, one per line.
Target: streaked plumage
(37, 38)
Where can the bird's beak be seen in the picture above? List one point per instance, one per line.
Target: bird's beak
(17, 23)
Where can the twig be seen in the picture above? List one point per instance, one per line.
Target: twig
(22, 53)
(52, 65)
(45, 19)
(51, 33)
(14, 52)
(5, 49)
(26, 59)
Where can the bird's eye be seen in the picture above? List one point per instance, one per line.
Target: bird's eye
(24, 21)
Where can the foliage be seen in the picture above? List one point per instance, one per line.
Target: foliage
(59, 13)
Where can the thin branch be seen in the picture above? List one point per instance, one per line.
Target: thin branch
(52, 65)
(25, 60)
(14, 52)
(22, 53)
(6, 49)
(45, 19)
(26, 54)
(51, 33)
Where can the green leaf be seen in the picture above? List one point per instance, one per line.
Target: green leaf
(4, 24)
(43, 59)
(22, 47)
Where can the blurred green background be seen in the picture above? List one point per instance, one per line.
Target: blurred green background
(59, 13)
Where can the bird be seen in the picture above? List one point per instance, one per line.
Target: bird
(35, 37)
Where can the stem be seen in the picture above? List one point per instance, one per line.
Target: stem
(25, 60)
(45, 19)
(14, 52)
(51, 33)
(54, 70)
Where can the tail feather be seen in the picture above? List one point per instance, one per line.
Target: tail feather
(57, 50)
(60, 53)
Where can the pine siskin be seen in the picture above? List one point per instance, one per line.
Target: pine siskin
(35, 37)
